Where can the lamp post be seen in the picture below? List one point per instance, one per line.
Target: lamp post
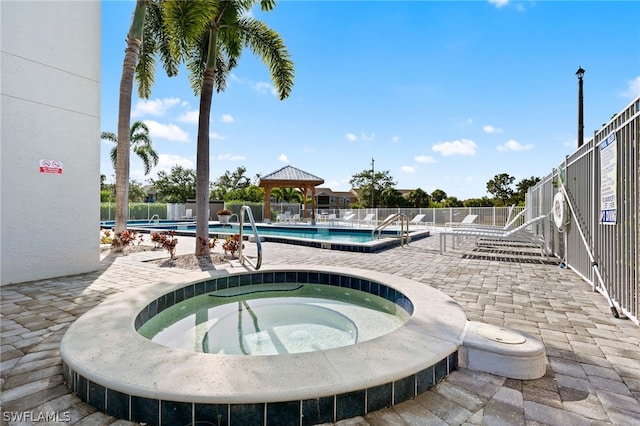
(580, 74)
(373, 182)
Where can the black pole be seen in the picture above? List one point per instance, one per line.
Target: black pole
(580, 73)
(373, 182)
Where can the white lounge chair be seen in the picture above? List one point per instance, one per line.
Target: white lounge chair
(347, 218)
(518, 234)
(417, 219)
(511, 223)
(284, 217)
(468, 220)
(369, 219)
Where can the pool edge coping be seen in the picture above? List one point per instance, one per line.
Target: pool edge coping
(404, 351)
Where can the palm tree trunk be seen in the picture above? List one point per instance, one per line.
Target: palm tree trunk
(202, 155)
(134, 41)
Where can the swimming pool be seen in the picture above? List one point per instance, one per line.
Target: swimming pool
(332, 238)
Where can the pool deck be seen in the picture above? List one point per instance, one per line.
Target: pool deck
(593, 375)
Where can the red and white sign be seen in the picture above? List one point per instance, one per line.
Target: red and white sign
(51, 167)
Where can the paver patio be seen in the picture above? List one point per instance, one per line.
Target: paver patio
(593, 375)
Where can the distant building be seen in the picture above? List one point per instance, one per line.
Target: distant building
(326, 198)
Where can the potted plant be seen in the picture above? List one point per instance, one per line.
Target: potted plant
(224, 215)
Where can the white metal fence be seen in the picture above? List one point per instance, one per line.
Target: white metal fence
(589, 175)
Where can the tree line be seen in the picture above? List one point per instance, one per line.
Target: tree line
(374, 189)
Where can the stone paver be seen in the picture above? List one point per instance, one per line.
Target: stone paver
(593, 375)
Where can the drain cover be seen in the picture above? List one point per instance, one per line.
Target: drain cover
(502, 335)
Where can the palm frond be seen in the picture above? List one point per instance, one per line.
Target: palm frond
(270, 47)
(155, 23)
(109, 136)
(185, 22)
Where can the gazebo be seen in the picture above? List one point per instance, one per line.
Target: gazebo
(289, 177)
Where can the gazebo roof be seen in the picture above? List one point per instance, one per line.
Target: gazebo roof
(292, 175)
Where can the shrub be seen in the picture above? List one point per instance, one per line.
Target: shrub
(204, 242)
(124, 239)
(166, 241)
(232, 244)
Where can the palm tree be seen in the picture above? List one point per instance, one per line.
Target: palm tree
(141, 145)
(210, 36)
(138, 61)
(287, 194)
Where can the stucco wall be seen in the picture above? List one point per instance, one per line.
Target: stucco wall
(50, 110)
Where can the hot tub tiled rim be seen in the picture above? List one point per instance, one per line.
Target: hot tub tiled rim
(443, 340)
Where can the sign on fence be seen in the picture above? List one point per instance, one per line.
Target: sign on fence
(608, 179)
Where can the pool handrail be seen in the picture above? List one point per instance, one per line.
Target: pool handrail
(243, 258)
(391, 219)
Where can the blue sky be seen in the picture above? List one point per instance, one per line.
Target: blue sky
(442, 94)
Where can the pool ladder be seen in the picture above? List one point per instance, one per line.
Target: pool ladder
(243, 258)
(404, 232)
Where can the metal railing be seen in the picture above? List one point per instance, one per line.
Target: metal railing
(592, 244)
(393, 218)
(247, 210)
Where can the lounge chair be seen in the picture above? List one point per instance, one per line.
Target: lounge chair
(369, 219)
(511, 223)
(519, 234)
(347, 218)
(468, 220)
(284, 217)
(188, 214)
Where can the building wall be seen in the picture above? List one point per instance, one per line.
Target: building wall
(49, 110)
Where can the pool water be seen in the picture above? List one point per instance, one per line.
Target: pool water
(279, 319)
(312, 233)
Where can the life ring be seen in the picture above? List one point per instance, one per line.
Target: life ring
(559, 211)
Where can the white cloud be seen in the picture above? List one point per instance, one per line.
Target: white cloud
(633, 88)
(395, 139)
(166, 131)
(499, 3)
(231, 157)
(216, 136)
(157, 107)
(283, 158)
(354, 137)
(513, 145)
(166, 161)
(491, 129)
(461, 147)
(189, 117)
(408, 169)
(263, 87)
(424, 159)
(227, 118)
(368, 138)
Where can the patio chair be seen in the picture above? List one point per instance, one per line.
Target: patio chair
(347, 218)
(284, 217)
(511, 223)
(520, 234)
(468, 219)
(188, 214)
(369, 219)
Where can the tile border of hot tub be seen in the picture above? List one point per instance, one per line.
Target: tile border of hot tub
(393, 361)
